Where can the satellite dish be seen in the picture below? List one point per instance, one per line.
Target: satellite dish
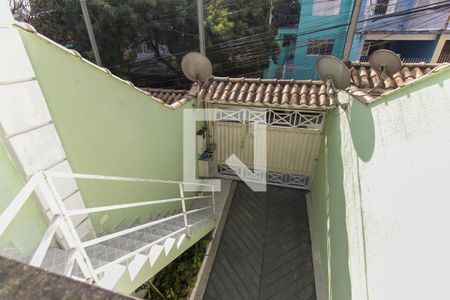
(196, 67)
(333, 72)
(386, 62)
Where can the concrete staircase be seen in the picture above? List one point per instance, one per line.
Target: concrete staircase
(122, 258)
(168, 239)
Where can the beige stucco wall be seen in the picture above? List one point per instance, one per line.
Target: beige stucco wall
(380, 199)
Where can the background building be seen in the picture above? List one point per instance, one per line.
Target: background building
(418, 33)
(415, 29)
(321, 29)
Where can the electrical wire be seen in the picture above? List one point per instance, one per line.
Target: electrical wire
(248, 41)
(264, 54)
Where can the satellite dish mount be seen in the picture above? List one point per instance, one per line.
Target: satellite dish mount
(197, 68)
(385, 62)
(335, 74)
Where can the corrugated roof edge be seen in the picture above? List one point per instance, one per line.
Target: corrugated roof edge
(365, 98)
(29, 28)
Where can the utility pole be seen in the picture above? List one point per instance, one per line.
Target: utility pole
(351, 30)
(87, 21)
(201, 27)
(270, 13)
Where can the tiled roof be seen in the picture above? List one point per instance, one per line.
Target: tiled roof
(367, 85)
(266, 92)
(170, 96)
(251, 91)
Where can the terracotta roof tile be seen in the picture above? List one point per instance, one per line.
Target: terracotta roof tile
(367, 84)
(266, 92)
(171, 97)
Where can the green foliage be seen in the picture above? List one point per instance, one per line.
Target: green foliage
(286, 13)
(217, 19)
(177, 279)
(240, 39)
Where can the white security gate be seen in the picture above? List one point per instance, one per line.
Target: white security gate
(293, 142)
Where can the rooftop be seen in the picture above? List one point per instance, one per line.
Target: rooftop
(366, 85)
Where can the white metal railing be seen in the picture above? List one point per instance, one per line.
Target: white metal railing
(444, 58)
(43, 181)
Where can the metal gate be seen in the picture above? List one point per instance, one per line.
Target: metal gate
(293, 142)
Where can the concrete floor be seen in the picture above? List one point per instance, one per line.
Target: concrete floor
(265, 250)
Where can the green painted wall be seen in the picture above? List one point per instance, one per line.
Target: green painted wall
(380, 205)
(109, 128)
(328, 207)
(27, 229)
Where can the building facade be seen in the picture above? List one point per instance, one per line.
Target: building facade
(417, 30)
(321, 30)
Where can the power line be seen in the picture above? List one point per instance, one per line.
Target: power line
(264, 54)
(244, 41)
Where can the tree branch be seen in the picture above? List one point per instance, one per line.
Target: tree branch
(155, 45)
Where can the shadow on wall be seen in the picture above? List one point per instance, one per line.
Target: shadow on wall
(362, 129)
(339, 282)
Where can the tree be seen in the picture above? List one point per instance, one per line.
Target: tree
(239, 38)
(286, 13)
(62, 20)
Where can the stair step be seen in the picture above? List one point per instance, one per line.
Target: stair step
(136, 265)
(168, 244)
(104, 253)
(154, 254)
(55, 260)
(172, 226)
(111, 276)
(159, 230)
(197, 216)
(95, 262)
(124, 243)
(147, 237)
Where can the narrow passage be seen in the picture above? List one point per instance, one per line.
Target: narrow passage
(265, 250)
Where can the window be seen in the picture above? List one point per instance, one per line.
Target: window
(287, 40)
(381, 7)
(326, 7)
(320, 47)
(366, 48)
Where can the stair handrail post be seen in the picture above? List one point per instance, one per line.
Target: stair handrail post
(213, 199)
(11, 211)
(72, 236)
(183, 206)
